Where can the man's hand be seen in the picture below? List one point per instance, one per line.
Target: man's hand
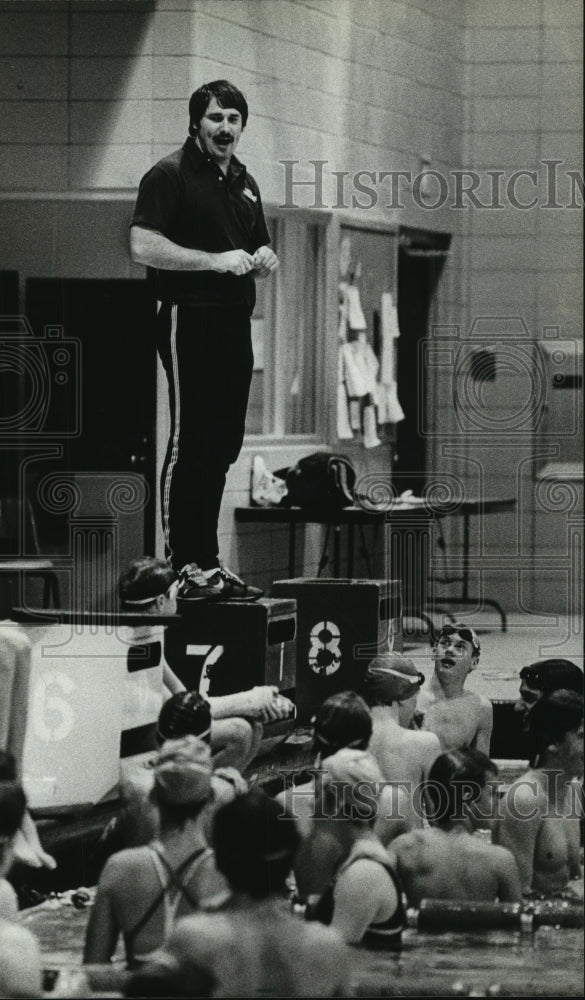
(265, 262)
(235, 262)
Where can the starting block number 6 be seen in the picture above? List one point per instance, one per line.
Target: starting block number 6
(52, 712)
(324, 651)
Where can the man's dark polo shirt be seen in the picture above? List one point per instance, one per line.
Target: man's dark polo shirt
(187, 198)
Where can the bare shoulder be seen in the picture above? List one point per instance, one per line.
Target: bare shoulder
(365, 876)
(14, 935)
(423, 739)
(523, 796)
(499, 855)
(200, 932)
(408, 842)
(121, 865)
(20, 961)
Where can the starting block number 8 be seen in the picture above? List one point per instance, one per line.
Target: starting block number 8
(324, 652)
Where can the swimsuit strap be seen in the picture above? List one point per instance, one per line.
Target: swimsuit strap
(174, 879)
(174, 874)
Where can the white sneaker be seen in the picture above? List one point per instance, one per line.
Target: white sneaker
(266, 490)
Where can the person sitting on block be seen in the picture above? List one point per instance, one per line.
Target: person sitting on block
(149, 587)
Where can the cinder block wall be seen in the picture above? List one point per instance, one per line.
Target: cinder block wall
(523, 86)
(91, 94)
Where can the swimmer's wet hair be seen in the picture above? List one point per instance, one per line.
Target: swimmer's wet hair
(453, 778)
(255, 844)
(553, 675)
(343, 720)
(143, 581)
(551, 718)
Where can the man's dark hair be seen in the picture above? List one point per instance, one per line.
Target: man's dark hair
(553, 675)
(144, 580)
(343, 720)
(226, 95)
(254, 844)
(550, 720)
(456, 777)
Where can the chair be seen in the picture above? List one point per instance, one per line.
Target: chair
(18, 535)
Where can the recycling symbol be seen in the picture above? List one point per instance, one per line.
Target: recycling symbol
(324, 653)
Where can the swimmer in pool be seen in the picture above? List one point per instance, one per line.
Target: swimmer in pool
(342, 721)
(391, 686)
(184, 714)
(459, 718)
(143, 890)
(20, 955)
(541, 812)
(363, 899)
(542, 678)
(254, 946)
(446, 860)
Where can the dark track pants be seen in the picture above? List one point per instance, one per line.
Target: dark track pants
(207, 355)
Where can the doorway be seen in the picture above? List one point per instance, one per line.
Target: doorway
(421, 258)
(106, 414)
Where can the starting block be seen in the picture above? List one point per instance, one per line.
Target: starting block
(341, 626)
(222, 647)
(92, 677)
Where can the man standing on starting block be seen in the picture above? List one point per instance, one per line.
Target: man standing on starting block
(199, 223)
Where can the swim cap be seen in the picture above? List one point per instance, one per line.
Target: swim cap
(182, 771)
(342, 720)
(353, 778)
(349, 766)
(391, 677)
(184, 714)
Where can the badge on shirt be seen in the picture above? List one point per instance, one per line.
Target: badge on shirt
(249, 195)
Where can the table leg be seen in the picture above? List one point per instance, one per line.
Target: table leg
(337, 551)
(291, 549)
(350, 551)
